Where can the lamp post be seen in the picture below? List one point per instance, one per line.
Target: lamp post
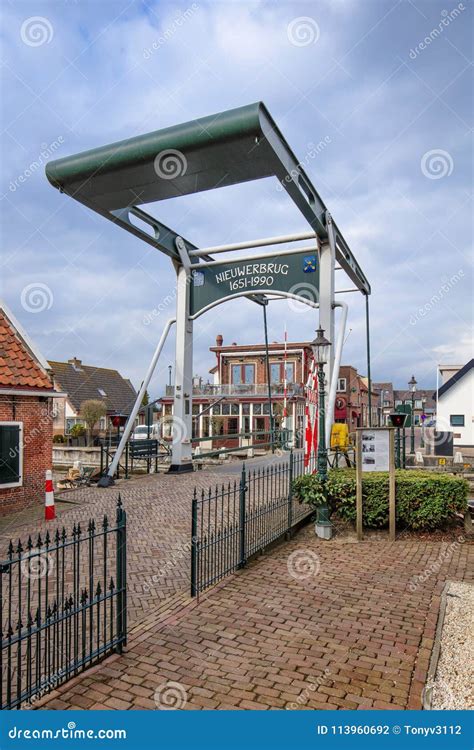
(320, 347)
(423, 417)
(412, 385)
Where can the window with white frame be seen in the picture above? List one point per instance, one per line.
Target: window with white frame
(11, 454)
(341, 384)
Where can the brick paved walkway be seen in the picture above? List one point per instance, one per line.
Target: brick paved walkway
(159, 528)
(351, 627)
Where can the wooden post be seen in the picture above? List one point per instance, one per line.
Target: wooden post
(359, 485)
(391, 491)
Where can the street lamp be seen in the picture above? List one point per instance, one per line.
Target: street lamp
(412, 385)
(423, 417)
(320, 347)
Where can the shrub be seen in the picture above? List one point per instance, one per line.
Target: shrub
(424, 500)
(59, 439)
(77, 430)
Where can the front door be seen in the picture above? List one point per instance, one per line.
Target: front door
(261, 425)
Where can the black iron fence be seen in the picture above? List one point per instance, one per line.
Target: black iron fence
(63, 606)
(234, 521)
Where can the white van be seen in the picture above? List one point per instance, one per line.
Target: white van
(141, 432)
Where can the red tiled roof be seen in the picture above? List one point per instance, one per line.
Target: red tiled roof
(18, 367)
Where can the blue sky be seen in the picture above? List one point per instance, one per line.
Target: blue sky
(385, 85)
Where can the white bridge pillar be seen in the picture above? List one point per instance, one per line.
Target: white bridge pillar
(327, 262)
(181, 456)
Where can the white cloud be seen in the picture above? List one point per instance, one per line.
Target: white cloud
(95, 85)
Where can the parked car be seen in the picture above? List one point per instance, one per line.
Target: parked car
(143, 431)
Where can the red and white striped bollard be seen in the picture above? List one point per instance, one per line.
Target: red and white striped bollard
(49, 509)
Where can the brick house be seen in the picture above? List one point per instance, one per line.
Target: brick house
(26, 417)
(83, 382)
(385, 401)
(236, 401)
(352, 399)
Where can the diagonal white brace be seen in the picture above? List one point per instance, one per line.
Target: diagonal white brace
(108, 479)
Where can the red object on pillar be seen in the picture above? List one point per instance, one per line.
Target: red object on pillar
(116, 421)
(49, 509)
(315, 439)
(308, 438)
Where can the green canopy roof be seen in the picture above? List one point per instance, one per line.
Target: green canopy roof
(231, 147)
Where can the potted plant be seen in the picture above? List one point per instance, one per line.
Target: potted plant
(77, 432)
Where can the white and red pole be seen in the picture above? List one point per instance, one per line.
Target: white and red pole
(285, 384)
(49, 509)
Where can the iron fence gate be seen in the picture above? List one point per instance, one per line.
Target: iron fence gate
(234, 521)
(63, 606)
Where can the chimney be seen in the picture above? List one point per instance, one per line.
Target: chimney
(219, 340)
(76, 363)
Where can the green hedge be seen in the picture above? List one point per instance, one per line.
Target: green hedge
(424, 500)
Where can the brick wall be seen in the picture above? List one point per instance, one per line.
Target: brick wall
(37, 419)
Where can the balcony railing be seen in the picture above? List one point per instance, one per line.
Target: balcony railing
(243, 389)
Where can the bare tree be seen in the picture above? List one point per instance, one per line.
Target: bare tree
(91, 411)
